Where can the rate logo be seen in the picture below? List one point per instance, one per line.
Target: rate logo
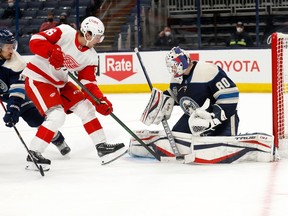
(119, 67)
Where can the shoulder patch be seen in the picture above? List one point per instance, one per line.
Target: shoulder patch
(204, 72)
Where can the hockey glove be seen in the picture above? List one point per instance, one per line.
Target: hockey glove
(201, 121)
(56, 57)
(105, 107)
(158, 107)
(13, 111)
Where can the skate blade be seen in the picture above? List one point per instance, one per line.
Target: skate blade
(31, 166)
(106, 159)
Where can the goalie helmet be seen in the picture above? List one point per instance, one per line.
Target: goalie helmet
(177, 61)
(7, 37)
(93, 25)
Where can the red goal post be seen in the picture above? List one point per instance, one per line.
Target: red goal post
(279, 54)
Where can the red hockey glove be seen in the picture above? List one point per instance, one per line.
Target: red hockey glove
(56, 58)
(105, 107)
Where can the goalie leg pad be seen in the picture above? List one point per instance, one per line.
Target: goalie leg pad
(159, 143)
(207, 150)
(223, 149)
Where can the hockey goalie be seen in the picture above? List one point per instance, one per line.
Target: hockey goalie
(208, 128)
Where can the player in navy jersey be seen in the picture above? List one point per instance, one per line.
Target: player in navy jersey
(12, 90)
(193, 83)
(47, 85)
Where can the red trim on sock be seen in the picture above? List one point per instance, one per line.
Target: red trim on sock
(45, 134)
(92, 126)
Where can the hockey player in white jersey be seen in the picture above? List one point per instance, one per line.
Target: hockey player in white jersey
(47, 84)
(12, 90)
(209, 126)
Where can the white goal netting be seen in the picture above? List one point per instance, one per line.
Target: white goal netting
(279, 49)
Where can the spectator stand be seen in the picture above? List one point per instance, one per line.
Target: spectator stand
(218, 18)
(34, 12)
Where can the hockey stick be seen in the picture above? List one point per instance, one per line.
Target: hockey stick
(39, 167)
(164, 121)
(112, 115)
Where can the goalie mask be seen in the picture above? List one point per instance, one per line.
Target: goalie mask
(94, 26)
(7, 40)
(177, 61)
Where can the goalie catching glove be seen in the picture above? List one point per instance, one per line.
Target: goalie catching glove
(158, 107)
(201, 120)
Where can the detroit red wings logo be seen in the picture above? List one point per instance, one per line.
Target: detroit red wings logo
(70, 62)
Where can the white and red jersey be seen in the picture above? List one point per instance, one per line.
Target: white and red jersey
(76, 57)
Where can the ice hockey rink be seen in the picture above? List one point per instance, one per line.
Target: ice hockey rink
(79, 185)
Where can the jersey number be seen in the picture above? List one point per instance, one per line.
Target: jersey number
(50, 31)
(223, 83)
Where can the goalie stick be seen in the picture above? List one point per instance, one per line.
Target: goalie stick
(39, 167)
(164, 121)
(112, 115)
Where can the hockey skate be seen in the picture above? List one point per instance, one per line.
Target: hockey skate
(39, 159)
(110, 152)
(59, 142)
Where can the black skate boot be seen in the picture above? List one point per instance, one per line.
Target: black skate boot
(39, 159)
(110, 152)
(59, 142)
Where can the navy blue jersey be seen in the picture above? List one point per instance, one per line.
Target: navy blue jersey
(206, 80)
(11, 81)
(12, 87)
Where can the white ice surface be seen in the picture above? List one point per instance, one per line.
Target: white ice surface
(79, 185)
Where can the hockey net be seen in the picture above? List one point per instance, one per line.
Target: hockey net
(279, 48)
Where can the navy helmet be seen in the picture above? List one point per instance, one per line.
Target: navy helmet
(7, 37)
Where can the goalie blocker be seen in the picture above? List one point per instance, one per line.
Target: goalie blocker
(207, 150)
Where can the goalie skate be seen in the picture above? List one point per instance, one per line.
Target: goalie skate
(110, 152)
(39, 159)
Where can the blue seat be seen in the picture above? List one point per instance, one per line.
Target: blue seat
(24, 22)
(82, 12)
(6, 22)
(22, 5)
(29, 14)
(42, 14)
(84, 3)
(34, 5)
(31, 29)
(37, 21)
(66, 4)
(50, 5)
(58, 11)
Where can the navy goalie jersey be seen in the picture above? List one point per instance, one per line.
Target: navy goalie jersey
(206, 80)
